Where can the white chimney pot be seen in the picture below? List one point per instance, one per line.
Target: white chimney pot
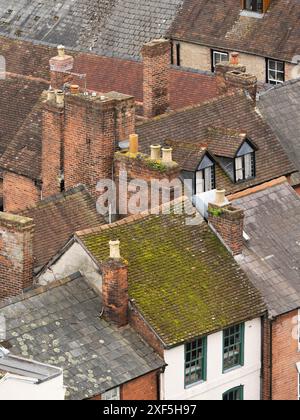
(220, 197)
(155, 151)
(115, 250)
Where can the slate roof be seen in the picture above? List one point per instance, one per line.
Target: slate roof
(272, 255)
(220, 24)
(232, 111)
(280, 107)
(108, 27)
(57, 218)
(61, 326)
(183, 280)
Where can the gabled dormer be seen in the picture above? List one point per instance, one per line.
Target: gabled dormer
(256, 6)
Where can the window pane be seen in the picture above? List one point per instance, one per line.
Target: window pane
(199, 182)
(235, 394)
(195, 361)
(233, 347)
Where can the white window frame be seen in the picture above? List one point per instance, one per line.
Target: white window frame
(244, 167)
(113, 394)
(222, 54)
(205, 178)
(276, 80)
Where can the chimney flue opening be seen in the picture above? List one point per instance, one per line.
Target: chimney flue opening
(115, 250)
(155, 151)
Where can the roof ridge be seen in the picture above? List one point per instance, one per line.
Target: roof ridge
(132, 218)
(38, 290)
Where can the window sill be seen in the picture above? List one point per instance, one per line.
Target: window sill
(255, 15)
(232, 369)
(195, 384)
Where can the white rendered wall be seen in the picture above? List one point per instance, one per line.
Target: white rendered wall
(217, 383)
(74, 260)
(14, 387)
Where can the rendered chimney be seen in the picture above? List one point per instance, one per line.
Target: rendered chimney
(115, 287)
(133, 144)
(16, 254)
(156, 60)
(228, 222)
(60, 68)
(155, 152)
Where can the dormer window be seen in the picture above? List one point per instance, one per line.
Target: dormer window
(254, 5)
(205, 176)
(245, 163)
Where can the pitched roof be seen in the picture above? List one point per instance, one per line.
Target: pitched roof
(225, 142)
(272, 255)
(108, 27)
(220, 24)
(61, 326)
(234, 111)
(57, 218)
(280, 107)
(18, 120)
(182, 279)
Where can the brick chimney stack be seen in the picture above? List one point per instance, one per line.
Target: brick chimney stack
(60, 68)
(228, 222)
(52, 143)
(156, 58)
(16, 254)
(115, 287)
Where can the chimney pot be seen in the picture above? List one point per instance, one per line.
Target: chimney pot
(155, 152)
(60, 97)
(74, 89)
(61, 50)
(234, 58)
(220, 198)
(133, 143)
(51, 95)
(115, 250)
(167, 154)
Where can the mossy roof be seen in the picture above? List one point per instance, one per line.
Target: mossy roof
(183, 280)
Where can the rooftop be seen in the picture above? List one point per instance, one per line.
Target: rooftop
(108, 27)
(57, 218)
(27, 368)
(272, 255)
(234, 112)
(182, 279)
(220, 24)
(61, 325)
(280, 107)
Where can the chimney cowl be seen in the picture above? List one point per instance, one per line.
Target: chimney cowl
(115, 250)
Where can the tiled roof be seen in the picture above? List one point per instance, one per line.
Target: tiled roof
(225, 142)
(182, 279)
(220, 24)
(272, 255)
(57, 218)
(19, 122)
(280, 107)
(233, 111)
(61, 326)
(108, 27)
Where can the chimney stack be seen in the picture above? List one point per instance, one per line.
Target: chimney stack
(224, 67)
(60, 68)
(115, 287)
(16, 254)
(228, 222)
(156, 61)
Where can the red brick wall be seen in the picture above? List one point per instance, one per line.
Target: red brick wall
(16, 254)
(143, 388)
(229, 224)
(52, 144)
(156, 58)
(137, 322)
(266, 360)
(19, 192)
(284, 358)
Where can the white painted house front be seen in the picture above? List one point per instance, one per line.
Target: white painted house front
(217, 383)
